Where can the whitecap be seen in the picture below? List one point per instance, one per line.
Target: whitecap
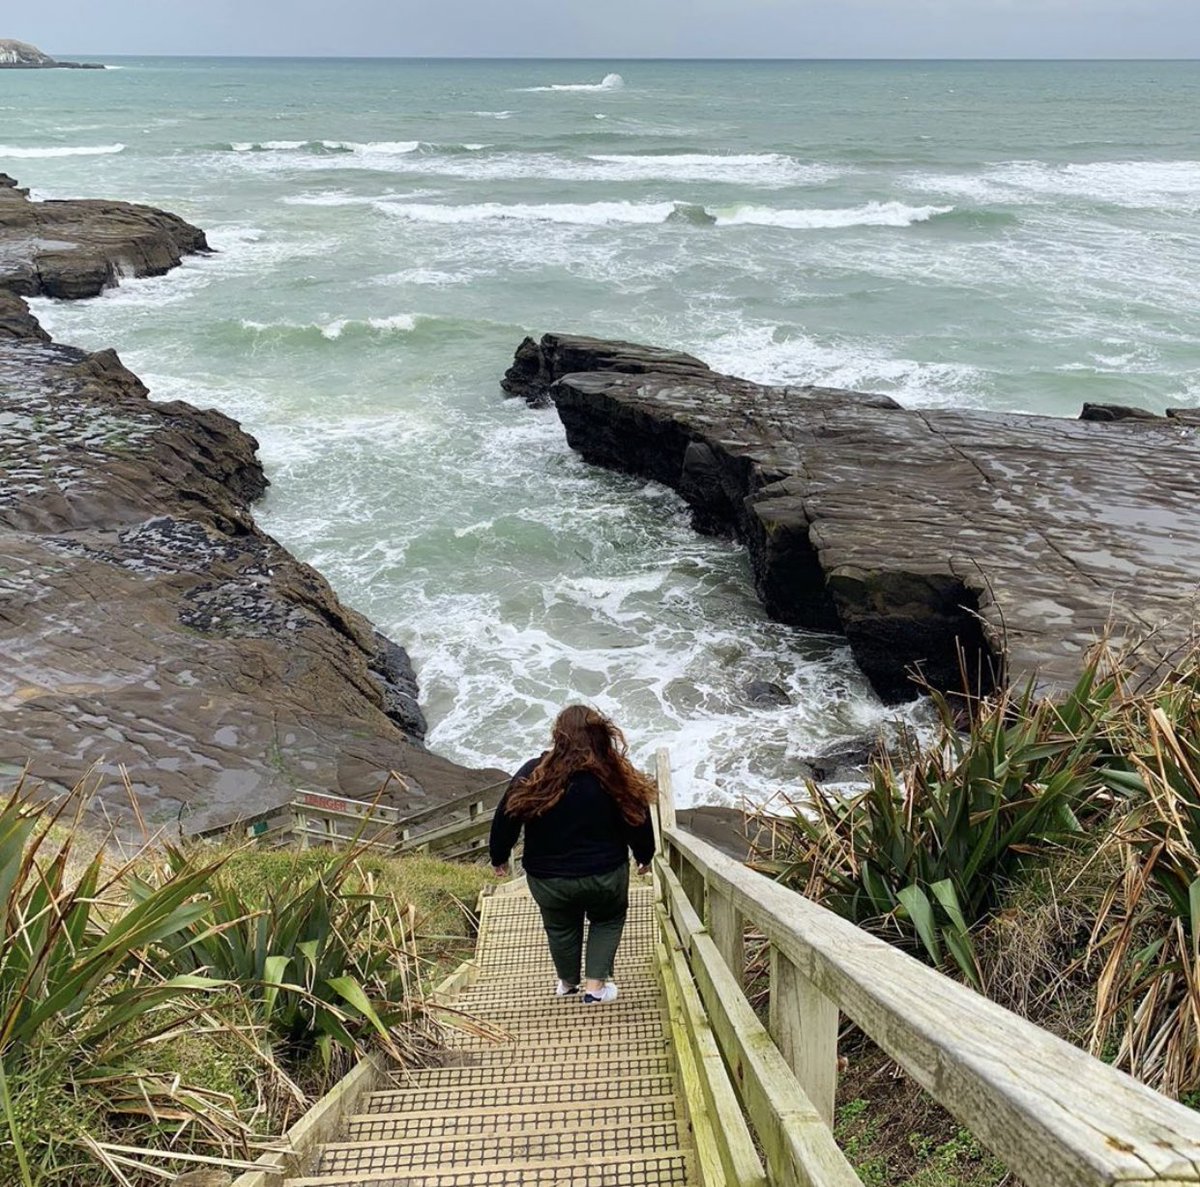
(575, 214)
(610, 82)
(741, 169)
(873, 214)
(267, 145)
(335, 329)
(495, 115)
(1137, 184)
(383, 148)
(33, 152)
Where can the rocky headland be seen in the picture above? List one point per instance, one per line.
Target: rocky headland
(20, 55)
(914, 533)
(149, 629)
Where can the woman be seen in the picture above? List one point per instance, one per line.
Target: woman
(583, 806)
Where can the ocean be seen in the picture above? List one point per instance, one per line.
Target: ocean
(1003, 235)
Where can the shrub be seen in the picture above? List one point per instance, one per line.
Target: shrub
(923, 854)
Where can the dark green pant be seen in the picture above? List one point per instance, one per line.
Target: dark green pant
(565, 902)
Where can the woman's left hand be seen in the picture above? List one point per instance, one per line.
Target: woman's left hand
(500, 871)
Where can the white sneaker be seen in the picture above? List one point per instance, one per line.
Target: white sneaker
(562, 989)
(607, 994)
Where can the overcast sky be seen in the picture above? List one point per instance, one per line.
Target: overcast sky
(616, 28)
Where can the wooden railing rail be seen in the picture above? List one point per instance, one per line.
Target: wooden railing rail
(1053, 1114)
(464, 837)
(321, 818)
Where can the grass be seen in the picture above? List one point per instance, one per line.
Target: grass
(443, 894)
(193, 1001)
(895, 1136)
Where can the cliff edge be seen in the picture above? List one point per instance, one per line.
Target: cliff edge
(149, 629)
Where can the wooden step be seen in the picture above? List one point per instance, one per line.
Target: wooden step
(589, 1024)
(667, 1168)
(538, 994)
(566, 1143)
(366, 1127)
(514, 1095)
(564, 1066)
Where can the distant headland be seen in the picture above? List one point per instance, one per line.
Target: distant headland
(20, 55)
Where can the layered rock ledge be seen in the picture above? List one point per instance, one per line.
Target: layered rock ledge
(914, 533)
(148, 627)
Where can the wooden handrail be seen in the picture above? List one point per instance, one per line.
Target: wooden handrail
(1053, 1114)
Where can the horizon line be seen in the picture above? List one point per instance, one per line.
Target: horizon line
(266, 57)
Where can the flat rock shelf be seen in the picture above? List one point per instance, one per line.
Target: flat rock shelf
(912, 532)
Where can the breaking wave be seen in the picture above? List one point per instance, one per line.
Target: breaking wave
(33, 152)
(610, 82)
(579, 214)
(400, 323)
(874, 214)
(382, 147)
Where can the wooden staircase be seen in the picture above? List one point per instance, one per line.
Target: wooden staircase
(560, 1093)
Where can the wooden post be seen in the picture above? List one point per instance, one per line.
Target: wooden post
(692, 881)
(666, 793)
(804, 1024)
(727, 926)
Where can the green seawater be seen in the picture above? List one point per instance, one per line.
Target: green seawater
(994, 235)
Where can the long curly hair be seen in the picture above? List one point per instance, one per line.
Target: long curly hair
(583, 740)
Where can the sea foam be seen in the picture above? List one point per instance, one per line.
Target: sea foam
(33, 152)
(610, 82)
(873, 214)
(577, 214)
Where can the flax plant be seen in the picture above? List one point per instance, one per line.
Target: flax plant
(924, 853)
(325, 960)
(77, 1013)
(1148, 928)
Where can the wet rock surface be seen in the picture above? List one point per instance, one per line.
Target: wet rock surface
(911, 532)
(147, 626)
(78, 248)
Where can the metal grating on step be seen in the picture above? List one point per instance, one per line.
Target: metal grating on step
(572, 1144)
(554, 1092)
(621, 1065)
(476, 1122)
(661, 1170)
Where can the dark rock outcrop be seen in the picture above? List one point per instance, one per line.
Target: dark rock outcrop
(20, 55)
(765, 693)
(538, 365)
(77, 249)
(1110, 412)
(148, 627)
(730, 829)
(917, 534)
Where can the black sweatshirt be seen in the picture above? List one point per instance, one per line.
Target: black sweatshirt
(584, 833)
